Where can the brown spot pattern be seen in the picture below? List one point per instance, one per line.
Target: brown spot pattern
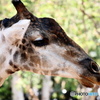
(15, 56)
(31, 64)
(23, 41)
(1, 79)
(11, 63)
(26, 67)
(35, 70)
(9, 71)
(35, 59)
(23, 57)
(30, 50)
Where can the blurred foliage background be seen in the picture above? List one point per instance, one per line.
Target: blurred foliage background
(81, 21)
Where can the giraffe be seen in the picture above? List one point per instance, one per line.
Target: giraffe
(41, 46)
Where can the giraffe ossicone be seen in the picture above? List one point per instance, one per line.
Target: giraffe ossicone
(41, 46)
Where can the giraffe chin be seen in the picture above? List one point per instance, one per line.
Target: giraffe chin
(1, 82)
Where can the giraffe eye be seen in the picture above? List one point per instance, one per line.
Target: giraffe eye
(40, 42)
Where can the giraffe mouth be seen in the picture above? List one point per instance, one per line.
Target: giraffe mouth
(90, 81)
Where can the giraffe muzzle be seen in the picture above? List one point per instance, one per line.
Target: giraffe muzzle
(91, 74)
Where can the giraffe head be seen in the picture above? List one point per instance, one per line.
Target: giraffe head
(43, 48)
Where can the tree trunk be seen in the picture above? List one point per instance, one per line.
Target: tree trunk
(17, 91)
(46, 89)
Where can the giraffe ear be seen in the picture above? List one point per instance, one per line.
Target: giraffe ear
(16, 31)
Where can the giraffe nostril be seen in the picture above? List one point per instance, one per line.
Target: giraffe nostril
(90, 65)
(94, 67)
